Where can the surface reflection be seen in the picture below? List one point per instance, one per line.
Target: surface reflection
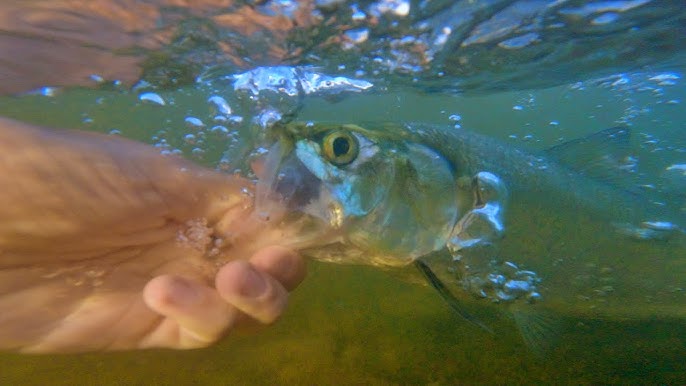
(466, 46)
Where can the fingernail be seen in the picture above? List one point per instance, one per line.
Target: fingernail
(253, 284)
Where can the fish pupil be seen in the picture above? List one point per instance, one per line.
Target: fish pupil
(341, 146)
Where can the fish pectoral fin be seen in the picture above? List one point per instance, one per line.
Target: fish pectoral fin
(448, 296)
(539, 329)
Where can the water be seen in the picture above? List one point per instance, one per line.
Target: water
(357, 325)
(354, 324)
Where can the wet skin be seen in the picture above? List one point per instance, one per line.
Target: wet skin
(107, 245)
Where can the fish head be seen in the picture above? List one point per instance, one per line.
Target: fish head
(375, 196)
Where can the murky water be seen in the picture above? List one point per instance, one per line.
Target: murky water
(352, 325)
(358, 325)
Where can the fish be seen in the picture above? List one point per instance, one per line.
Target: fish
(535, 235)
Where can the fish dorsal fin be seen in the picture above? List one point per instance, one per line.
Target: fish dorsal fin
(448, 296)
(605, 155)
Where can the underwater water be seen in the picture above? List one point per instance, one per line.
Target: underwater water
(360, 325)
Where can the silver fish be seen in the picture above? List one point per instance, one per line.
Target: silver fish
(486, 223)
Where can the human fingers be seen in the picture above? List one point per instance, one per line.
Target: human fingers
(195, 314)
(283, 264)
(253, 292)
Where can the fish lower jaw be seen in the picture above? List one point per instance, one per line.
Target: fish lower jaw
(342, 252)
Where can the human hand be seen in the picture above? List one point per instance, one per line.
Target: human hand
(196, 315)
(107, 245)
(170, 311)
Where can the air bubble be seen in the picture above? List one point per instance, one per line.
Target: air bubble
(235, 120)
(606, 18)
(152, 98)
(220, 104)
(189, 139)
(47, 91)
(219, 130)
(194, 123)
(97, 78)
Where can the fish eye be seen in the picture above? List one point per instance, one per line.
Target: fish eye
(340, 147)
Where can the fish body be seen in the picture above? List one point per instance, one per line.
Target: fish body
(590, 243)
(494, 224)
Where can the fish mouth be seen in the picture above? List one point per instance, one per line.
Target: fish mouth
(292, 198)
(296, 186)
(290, 187)
(284, 184)
(282, 191)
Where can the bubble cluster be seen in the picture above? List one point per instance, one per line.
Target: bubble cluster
(295, 81)
(504, 283)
